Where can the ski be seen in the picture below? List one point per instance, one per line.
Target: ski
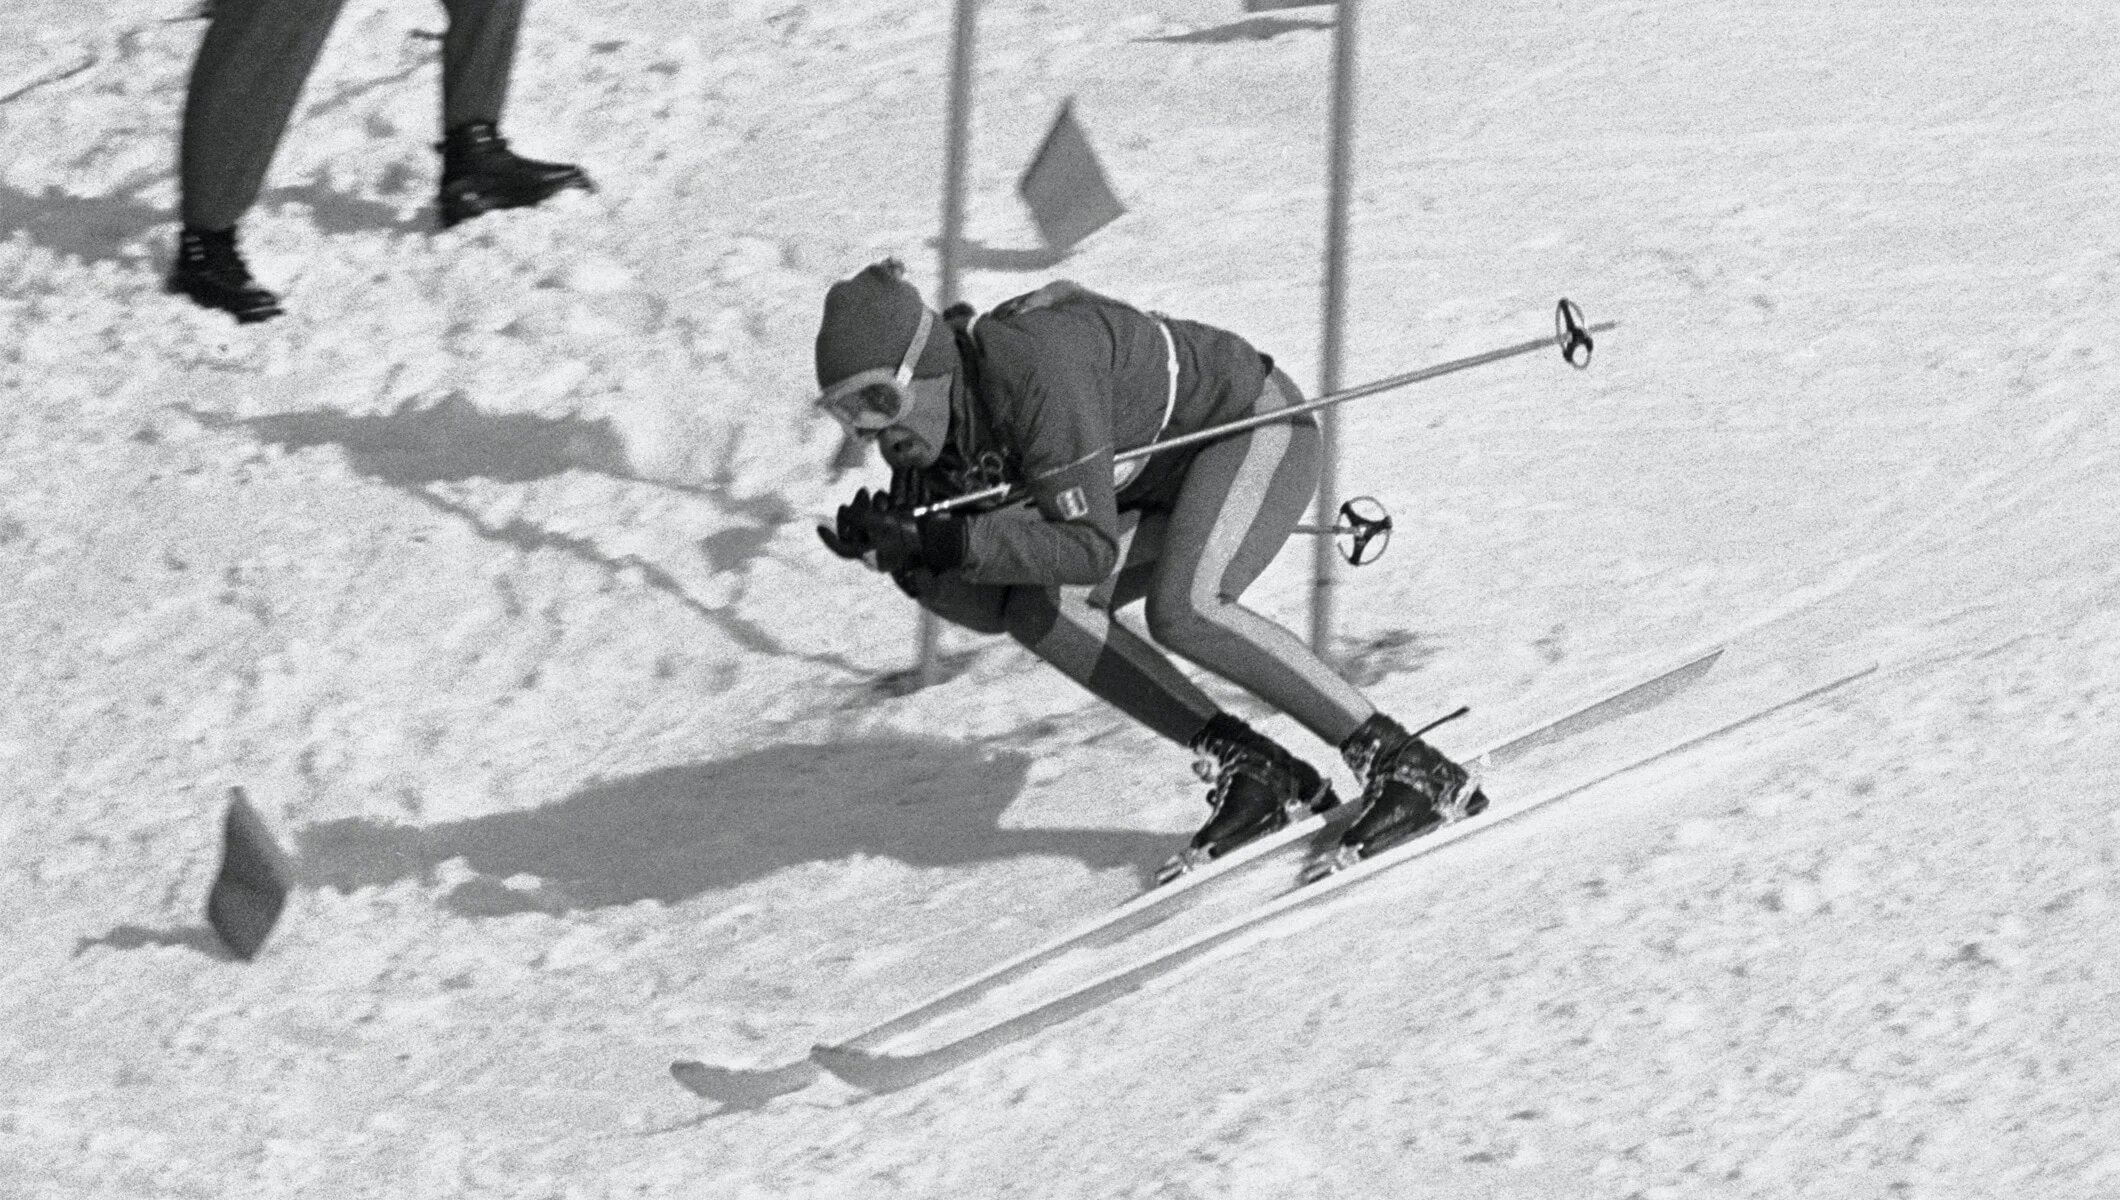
(1271, 859)
(862, 1063)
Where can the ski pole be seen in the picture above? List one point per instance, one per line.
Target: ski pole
(1569, 334)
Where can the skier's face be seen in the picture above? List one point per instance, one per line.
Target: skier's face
(903, 448)
(916, 438)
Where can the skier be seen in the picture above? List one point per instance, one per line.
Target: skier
(250, 70)
(1042, 392)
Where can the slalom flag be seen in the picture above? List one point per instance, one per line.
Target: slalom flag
(1065, 188)
(255, 877)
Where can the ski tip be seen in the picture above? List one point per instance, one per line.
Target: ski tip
(878, 1072)
(834, 1057)
(849, 1065)
(742, 1087)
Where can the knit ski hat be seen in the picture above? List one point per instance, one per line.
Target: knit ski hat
(869, 321)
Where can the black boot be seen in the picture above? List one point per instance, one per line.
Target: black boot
(1258, 788)
(210, 270)
(1408, 788)
(480, 173)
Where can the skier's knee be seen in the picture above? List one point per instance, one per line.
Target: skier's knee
(1030, 613)
(1175, 623)
(981, 609)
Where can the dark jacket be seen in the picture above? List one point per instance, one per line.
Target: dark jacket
(1057, 382)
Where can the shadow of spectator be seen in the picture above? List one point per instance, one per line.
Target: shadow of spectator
(94, 229)
(120, 227)
(337, 212)
(452, 440)
(1251, 29)
(733, 549)
(676, 833)
(448, 440)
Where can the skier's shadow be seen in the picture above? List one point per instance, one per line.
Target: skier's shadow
(675, 833)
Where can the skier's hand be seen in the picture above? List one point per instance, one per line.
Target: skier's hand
(912, 488)
(848, 536)
(844, 549)
(900, 541)
(894, 536)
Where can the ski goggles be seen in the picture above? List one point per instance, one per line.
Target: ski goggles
(868, 402)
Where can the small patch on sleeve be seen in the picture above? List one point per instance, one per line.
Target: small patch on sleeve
(1071, 504)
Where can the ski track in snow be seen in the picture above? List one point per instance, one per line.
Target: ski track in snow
(487, 572)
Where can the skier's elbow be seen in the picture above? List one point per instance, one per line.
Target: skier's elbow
(1100, 555)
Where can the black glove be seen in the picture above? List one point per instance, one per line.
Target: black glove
(903, 542)
(847, 537)
(893, 540)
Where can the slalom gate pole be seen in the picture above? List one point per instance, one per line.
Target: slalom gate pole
(956, 158)
(1339, 181)
(1571, 336)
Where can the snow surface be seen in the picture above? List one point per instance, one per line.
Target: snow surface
(488, 573)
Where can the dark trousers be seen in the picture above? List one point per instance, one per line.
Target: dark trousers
(250, 71)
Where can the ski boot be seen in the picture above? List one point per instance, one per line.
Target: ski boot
(480, 173)
(211, 272)
(1408, 790)
(1258, 788)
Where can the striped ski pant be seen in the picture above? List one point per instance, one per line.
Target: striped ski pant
(1238, 501)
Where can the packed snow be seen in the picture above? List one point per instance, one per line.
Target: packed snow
(488, 573)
